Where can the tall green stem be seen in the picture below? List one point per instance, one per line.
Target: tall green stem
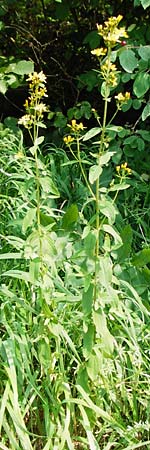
(101, 150)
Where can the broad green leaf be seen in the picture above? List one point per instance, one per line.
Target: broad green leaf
(23, 67)
(94, 173)
(144, 52)
(105, 158)
(29, 218)
(146, 112)
(87, 300)
(49, 186)
(145, 3)
(91, 133)
(141, 258)
(128, 60)
(141, 84)
(70, 216)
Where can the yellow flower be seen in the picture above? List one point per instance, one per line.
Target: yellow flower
(26, 120)
(123, 170)
(108, 73)
(110, 31)
(19, 155)
(99, 51)
(37, 78)
(122, 98)
(68, 140)
(41, 108)
(76, 126)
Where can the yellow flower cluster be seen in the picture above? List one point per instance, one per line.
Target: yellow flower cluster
(108, 72)
(110, 31)
(123, 170)
(122, 98)
(99, 51)
(68, 139)
(33, 105)
(76, 127)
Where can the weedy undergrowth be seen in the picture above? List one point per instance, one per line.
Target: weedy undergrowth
(74, 351)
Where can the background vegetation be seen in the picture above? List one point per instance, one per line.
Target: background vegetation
(75, 239)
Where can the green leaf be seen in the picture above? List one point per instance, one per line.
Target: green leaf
(49, 186)
(119, 187)
(145, 3)
(88, 339)
(126, 235)
(110, 230)
(91, 133)
(93, 366)
(128, 60)
(3, 86)
(141, 258)
(108, 209)
(107, 339)
(105, 90)
(94, 173)
(87, 300)
(19, 274)
(89, 243)
(146, 112)
(141, 84)
(93, 39)
(38, 141)
(144, 52)
(11, 256)
(105, 158)
(60, 120)
(23, 67)
(70, 216)
(28, 219)
(136, 103)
